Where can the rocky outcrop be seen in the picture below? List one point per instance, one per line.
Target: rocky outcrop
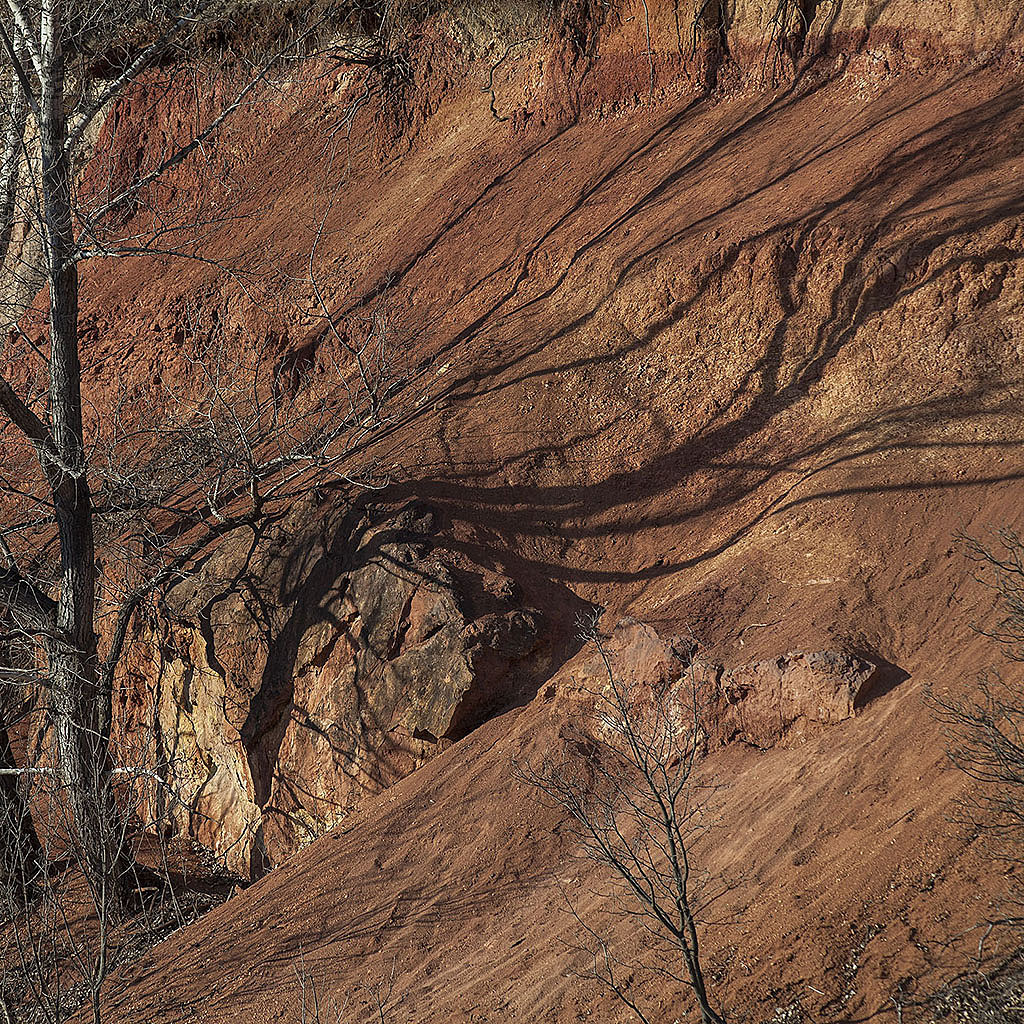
(276, 691)
(763, 704)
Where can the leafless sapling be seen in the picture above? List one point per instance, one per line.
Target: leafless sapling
(636, 805)
(985, 728)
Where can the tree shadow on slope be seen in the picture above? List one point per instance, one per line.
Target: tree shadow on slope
(953, 150)
(887, 264)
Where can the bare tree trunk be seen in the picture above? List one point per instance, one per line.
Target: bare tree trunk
(696, 973)
(691, 941)
(17, 107)
(81, 710)
(19, 845)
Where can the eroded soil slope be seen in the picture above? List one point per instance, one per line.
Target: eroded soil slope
(740, 364)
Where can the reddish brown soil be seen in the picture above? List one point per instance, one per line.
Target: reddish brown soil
(743, 365)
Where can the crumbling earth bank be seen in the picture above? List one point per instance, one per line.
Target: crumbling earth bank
(739, 365)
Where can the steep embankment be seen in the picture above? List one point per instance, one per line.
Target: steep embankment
(742, 364)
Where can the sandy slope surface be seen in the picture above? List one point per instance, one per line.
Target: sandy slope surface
(743, 367)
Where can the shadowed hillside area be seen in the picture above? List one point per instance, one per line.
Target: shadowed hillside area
(490, 417)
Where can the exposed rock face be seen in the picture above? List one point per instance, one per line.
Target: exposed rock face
(278, 704)
(762, 704)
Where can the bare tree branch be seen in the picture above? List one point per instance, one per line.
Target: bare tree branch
(635, 806)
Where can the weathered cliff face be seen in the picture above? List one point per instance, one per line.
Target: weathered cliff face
(738, 363)
(554, 63)
(284, 684)
(646, 351)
